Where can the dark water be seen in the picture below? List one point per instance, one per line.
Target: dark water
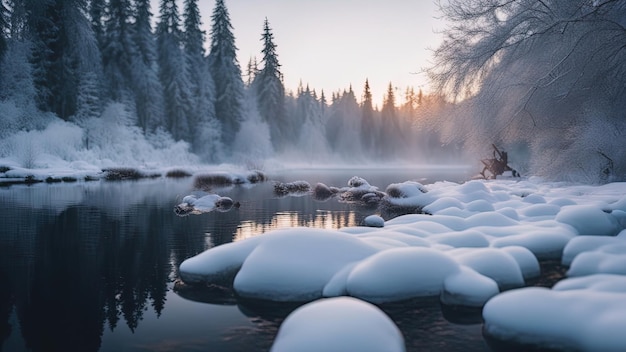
(91, 266)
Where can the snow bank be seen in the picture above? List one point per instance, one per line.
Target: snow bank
(338, 324)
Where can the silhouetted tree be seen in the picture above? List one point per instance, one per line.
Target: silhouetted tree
(368, 124)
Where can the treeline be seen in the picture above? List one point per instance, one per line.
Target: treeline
(96, 63)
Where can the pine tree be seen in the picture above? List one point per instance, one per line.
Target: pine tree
(118, 49)
(390, 129)
(205, 127)
(4, 27)
(147, 88)
(173, 71)
(64, 50)
(368, 127)
(97, 11)
(18, 19)
(270, 90)
(226, 73)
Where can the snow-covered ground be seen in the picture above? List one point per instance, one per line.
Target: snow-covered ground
(478, 239)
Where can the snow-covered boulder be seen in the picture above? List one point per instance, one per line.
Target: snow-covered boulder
(589, 220)
(582, 314)
(467, 288)
(607, 259)
(295, 264)
(338, 324)
(400, 273)
(374, 221)
(582, 244)
(494, 263)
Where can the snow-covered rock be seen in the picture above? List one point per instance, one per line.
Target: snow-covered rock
(296, 264)
(582, 244)
(582, 314)
(338, 324)
(589, 220)
(374, 221)
(606, 259)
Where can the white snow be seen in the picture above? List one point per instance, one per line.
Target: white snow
(500, 230)
(478, 238)
(338, 324)
(589, 220)
(583, 314)
(374, 221)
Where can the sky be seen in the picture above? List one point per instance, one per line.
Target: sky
(330, 44)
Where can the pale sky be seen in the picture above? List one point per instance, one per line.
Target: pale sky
(331, 44)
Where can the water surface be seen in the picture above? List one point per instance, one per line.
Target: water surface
(91, 266)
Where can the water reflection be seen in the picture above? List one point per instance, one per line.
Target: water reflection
(90, 266)
(322, 219)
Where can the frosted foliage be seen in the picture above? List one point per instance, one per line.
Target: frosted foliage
(16, 75)
(113, 140)
(534, 80)
(36, 149)
(252, 142)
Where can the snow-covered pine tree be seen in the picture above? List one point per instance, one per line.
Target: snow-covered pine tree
(97, 9)
(226, 74)
(368, 123)
(390, 136)
(118, 49)
(64, 48)
(205, 129)
(4, 27)
(146, 86)
(173, 71)
(271, 91)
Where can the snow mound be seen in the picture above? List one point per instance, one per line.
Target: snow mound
(400, 273)
(296, 264)
(468, 288)
(374, 221)
(607, 259)
(589, 220)
(582, 244)
(494, 263)
(338, 324)
(581, 314)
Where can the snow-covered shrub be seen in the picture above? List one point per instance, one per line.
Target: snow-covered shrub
(113, 140)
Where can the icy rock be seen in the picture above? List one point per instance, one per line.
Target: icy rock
(338, 325)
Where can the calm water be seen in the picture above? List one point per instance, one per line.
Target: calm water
(91, 266)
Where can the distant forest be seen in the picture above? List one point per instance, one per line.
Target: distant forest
(93, 83)
(100, 66)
